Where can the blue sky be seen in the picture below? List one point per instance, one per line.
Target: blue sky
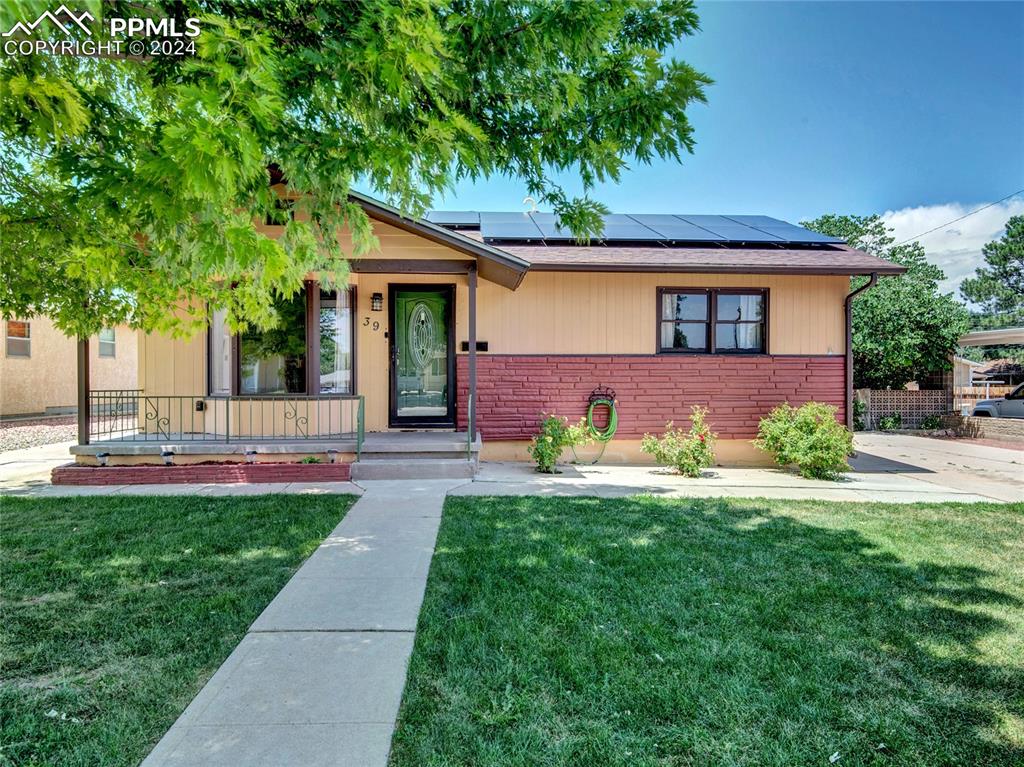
(910, 109)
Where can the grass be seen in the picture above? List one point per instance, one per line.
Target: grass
(115, 611)
(644, 631)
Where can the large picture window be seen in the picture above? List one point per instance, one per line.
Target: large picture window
(714, 321)
(336, 342)
(274, 361)
(287, 359)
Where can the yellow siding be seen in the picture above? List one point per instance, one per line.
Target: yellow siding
(613, 313)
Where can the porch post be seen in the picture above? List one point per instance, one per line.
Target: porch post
(83, 391)
(312, 337)
(472, 405)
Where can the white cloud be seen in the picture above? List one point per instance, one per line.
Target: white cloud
(955, 248)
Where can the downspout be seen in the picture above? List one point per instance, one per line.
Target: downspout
(848, 305)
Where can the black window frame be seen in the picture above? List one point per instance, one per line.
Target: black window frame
(712, 321)
(312, 294)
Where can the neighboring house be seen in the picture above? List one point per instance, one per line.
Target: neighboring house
(1006, 371)
(490, 319)
(37, 368)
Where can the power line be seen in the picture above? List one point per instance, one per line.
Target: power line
(965, 215)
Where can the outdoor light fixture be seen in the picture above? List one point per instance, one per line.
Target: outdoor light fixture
(103, 458)
(332, 455)
(377, 302)
(168, 456)
(250, 456)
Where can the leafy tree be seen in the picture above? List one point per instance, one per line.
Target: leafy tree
(998, 287)
(128, 182)
(903, 327)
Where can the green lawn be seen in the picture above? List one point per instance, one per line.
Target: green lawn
(656, 632)
(115, 611)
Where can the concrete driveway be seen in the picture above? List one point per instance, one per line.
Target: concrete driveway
(958, 465)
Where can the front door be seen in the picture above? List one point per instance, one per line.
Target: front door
(422, 355)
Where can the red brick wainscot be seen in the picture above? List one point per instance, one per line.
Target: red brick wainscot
(513, 390)
(200, 473)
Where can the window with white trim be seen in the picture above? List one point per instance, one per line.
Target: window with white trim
(107, 342)
(19, 338)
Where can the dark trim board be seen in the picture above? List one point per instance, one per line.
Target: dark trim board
(730, 269)
(410, 266)
(433, 422)
(638, 355)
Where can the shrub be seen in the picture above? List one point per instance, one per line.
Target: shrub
(890, 422)
(859, 410)
(931, 422)
(310, 459)
(689, 453)
(556, 434)
(808, 437)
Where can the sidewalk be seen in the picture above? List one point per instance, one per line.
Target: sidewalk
(318, 679)
(609, 481)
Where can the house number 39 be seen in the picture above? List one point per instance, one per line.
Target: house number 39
(366, 323)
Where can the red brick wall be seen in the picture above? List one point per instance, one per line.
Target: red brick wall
(226, 473)
(513, 390)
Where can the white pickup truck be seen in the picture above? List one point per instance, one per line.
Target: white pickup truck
(1010, 406)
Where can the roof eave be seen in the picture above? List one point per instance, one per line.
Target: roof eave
(891, 270)
(495, 265)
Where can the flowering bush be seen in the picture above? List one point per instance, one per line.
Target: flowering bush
(689, 453)
(556, 434)
(808, 437)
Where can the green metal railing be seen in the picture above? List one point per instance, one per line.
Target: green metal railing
(131, 415)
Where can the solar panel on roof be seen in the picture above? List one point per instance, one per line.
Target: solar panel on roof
(641, 227)
(674, 228)
(619, 226)
(755, 221)
(784, 230)
(791, 233)
(730, 230)
(508, 226)
(548, 225)
(454, 217)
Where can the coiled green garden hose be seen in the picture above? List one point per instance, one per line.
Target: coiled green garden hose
(610, 427)
(605, 435)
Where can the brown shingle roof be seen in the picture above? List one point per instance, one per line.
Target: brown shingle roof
(837, 259)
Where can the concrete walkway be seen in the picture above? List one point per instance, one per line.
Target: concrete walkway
(318, 679)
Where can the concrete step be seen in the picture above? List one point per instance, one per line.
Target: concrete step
(409, 455)
(417, 468)
(418, 443)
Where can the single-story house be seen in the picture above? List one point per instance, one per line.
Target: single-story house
(37, 370)
(467, 326)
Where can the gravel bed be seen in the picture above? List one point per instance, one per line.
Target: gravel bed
(34, 432)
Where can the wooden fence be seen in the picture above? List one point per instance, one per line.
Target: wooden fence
(969, 396)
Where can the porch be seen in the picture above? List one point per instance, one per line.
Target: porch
(131, 428)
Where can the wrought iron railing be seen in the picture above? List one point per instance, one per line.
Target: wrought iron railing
(131, 415)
